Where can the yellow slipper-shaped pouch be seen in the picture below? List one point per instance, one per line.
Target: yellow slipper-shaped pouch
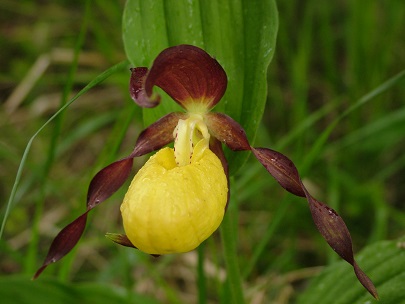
(170, 208)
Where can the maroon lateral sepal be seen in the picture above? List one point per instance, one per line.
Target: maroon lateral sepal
(120, 239)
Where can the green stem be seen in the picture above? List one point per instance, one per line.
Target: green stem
(201, 280)
(228, 235)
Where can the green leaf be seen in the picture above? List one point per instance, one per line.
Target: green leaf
(21, 290)
(383, 261)
(240, 34)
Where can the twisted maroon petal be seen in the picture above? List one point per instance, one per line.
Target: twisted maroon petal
(64, 242)
(107, 181)
(281, 168)
(329, 223)
(185, 72)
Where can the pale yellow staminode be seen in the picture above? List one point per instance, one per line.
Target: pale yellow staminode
(175, 202)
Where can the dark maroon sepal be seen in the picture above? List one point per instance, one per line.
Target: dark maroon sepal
(189, 75)
(120, 239)
(137, 91)
(157, 135)
(64, 242)
(227, 131)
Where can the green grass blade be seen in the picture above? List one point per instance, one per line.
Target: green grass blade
(321, 141)
(31, 259)
(100, 78)
(265, 239)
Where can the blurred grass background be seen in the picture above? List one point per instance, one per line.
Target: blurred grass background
(329, 54)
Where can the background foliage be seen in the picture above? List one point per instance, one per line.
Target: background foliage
(328, 56)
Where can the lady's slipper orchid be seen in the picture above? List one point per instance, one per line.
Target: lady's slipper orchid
(179, 197)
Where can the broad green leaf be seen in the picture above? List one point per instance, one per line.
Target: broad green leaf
(240, 34)
(385, 264)
(21, 290)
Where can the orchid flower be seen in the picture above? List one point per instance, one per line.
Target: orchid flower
(179, 197)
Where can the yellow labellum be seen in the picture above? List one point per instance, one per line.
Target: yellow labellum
(170, 208)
